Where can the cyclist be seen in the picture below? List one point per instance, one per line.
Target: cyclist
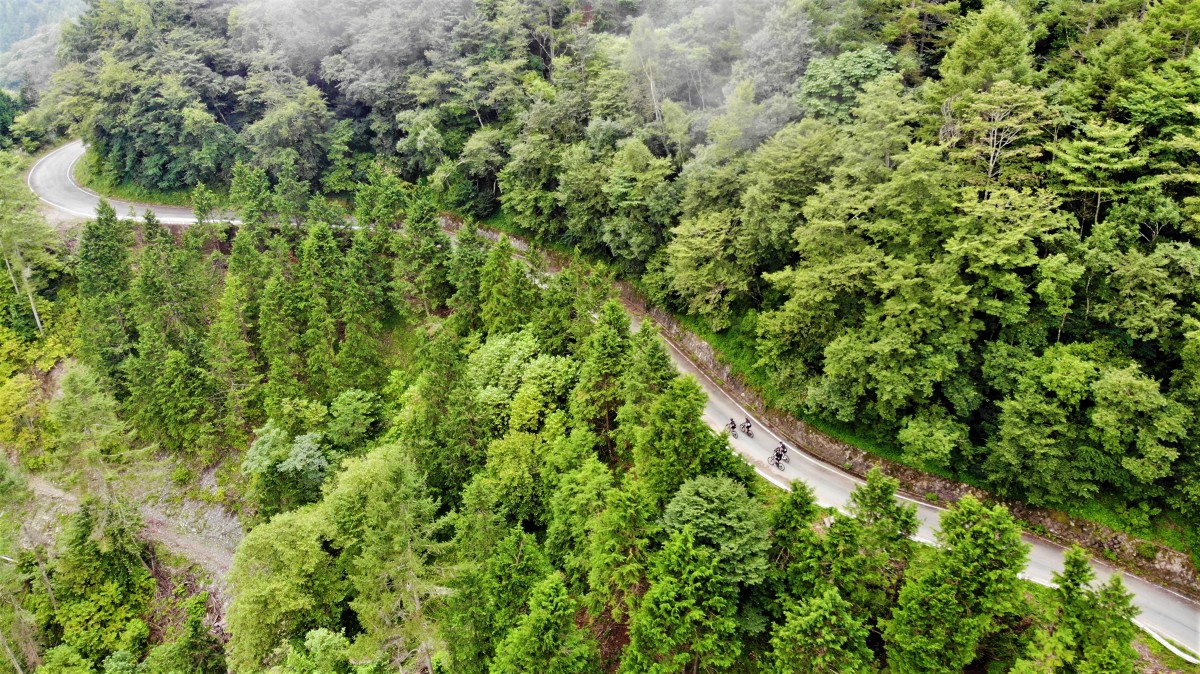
(746, 425)
(776, 456)
(733, 426)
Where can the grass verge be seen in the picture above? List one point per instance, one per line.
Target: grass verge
(1163, 656)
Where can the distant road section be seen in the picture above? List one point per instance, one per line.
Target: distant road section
(1164, 612)
(52, 179)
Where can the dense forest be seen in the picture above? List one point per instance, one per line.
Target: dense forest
(962, 231)
(452, 460)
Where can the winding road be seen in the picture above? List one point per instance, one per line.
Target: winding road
(1164, 613)
(52, 179)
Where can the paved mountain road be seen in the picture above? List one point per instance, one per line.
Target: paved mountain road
(1164, 613)
(52, 179)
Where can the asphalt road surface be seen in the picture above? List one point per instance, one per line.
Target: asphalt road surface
(53, 181)
(1164, 613)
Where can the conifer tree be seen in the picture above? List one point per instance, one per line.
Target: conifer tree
(944, 612)
(382, 199)
(687, 617)
(85, 418)
(569, 300)
(491, 599)
(423, 251)
(317, 292)
(546, 639)
(204, 203)
(1094, 625)
(676, 445)
(1094, 163)
(281, 344)
(575, 503)
(821, 636)
(597, 394)
(470, 254)
(506, 292)
(168, 381)
(722, 517)
(994, 45)
(619, 543)
(250, 193)
(885, 527)
(105, 274)
(290, 194)
(232, 359)
(248, 261)
(360, 311)
(386, 522)
(648, 372)
(795, 547)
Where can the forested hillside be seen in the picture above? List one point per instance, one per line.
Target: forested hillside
(450, 460)
(29, 38)
(964, 230)
(961, 232)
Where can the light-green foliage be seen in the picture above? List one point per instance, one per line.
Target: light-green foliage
(821, 636)
(490, 599)
(99, 586)
(386, 527)
(505, 290)
(284, 583)
(87, 426)
(945, 611)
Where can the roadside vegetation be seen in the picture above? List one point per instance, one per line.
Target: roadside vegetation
(958, 235)
(959, 232)
(450, 461)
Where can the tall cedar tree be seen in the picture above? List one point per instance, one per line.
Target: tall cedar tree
(491, 599)
(233, 360)
(360, 311)
(945, 612)
(688, 615)
(597, 395)
(547, 639)
(822, 636)
(319, 290)
(423, 252)
(105, 273)
(508, 295)
(470, 254)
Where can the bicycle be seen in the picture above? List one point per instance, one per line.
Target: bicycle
(773, 461)
(747, 430)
